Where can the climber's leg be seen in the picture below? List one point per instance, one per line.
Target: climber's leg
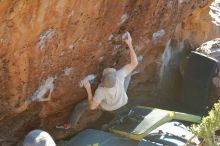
(78, 112)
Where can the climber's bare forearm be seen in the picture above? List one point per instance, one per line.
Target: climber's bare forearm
(133, 56)
(92, 104)
(23, 106)
(133, 60)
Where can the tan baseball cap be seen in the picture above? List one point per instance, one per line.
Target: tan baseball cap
(108, 78)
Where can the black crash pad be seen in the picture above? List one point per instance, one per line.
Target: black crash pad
(91, 137)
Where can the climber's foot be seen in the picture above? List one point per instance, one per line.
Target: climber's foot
(65, 126)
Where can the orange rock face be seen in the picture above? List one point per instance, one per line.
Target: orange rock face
(50, 46)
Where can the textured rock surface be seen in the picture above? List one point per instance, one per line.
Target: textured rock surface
(52, 45)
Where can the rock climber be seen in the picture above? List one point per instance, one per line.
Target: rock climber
(111, 92)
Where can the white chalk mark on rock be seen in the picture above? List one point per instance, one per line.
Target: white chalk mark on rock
(170, 4)
(47, 85)
(44, 37)
(182, 1)
(71, 46)
(123, 18)
(115, 47)
(61, 54)
(89, 78)
(110, 37)
(101, 59)
(157, 35)
(139, 58)
(67, 70)
(114, 64)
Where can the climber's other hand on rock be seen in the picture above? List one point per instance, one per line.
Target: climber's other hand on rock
(127, 38)
(86, 84)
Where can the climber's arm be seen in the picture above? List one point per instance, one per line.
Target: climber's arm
(133, 63)
(92, 104)
(23, 106)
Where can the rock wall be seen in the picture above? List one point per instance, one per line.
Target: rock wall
(50, 46)
(194, 30)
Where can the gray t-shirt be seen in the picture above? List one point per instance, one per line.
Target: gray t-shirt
(111, 99)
